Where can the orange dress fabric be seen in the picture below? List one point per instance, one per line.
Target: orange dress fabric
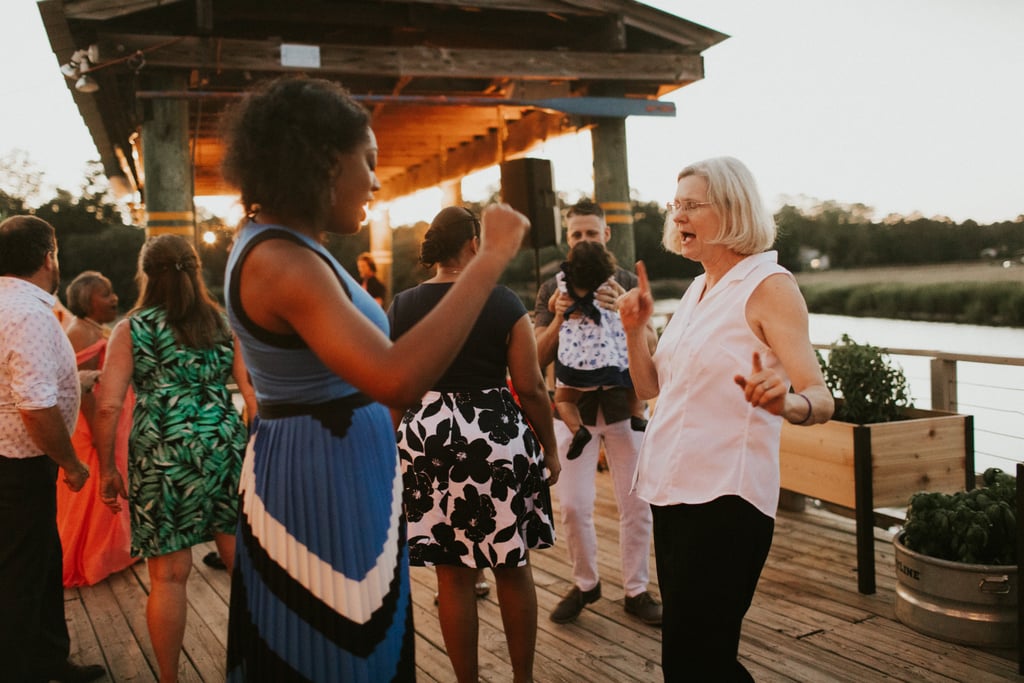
(95, 540)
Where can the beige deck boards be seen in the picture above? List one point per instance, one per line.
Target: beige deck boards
(807, 623)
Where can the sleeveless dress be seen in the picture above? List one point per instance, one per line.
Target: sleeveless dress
(476, 493)
(186, 443)
(95, 541)
(320, 590)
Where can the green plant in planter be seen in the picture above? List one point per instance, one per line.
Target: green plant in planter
(976, 527)
(872, 388)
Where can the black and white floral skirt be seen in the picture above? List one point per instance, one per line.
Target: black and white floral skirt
(475, 486)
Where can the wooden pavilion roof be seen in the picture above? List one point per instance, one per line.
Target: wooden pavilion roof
(454, 86)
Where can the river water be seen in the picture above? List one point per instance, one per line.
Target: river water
(994, 394)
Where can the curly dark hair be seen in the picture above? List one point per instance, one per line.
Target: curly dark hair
(282, 145)
(451, 228)
(589, 265)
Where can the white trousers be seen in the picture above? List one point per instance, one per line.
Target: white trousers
(577, 491)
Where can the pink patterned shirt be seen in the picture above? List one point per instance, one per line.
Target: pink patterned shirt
(37, 364)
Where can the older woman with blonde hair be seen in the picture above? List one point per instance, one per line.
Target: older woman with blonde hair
(734, 361)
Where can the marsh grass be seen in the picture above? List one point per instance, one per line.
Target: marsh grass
(976, 293)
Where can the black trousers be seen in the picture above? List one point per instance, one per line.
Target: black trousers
(709, 560)
(34, 639)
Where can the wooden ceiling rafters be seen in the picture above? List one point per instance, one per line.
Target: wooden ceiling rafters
(527, 49)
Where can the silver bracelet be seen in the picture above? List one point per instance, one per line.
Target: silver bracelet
(810, 411)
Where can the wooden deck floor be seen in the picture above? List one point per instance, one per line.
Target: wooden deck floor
(807, 623)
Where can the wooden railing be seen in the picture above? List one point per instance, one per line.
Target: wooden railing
(945, 396)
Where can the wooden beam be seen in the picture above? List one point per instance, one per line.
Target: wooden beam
(650, 19)
(655, 21)
(532, 130)
(101, 10)
(419, 61)
(433, 163)
(408, 23)
(558, 6)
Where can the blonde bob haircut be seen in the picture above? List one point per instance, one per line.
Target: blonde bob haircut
(747, 227)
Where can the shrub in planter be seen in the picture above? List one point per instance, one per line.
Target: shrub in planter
(976, 527)
(873, 389)
(956, 572)
(877, 449)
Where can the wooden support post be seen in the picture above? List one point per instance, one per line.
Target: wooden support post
(969, 474)
(864, 509)
(944, 385)
(611, 187)
(168, 169)
(451, 193)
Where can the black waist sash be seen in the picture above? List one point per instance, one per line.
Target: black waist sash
(335, 415)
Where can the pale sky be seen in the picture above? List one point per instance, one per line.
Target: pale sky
(903, 105)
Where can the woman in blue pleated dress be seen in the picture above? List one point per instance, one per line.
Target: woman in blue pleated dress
(320, 590)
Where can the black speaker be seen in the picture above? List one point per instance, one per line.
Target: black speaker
(526, 186)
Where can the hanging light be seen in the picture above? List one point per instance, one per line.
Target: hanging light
(86, 84)
(78, 67)
(83, 62)
(73, 69)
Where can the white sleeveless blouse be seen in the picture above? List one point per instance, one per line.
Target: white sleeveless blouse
(704, 440)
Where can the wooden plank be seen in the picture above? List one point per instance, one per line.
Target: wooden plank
(807, 621)
(817, 461)
(131, 596)
(236, 54)
(856, 642)
(85, 643)
(211, 589)
(961, 662)
(917, 455)
(907, 456)
(800, 660)
(125, 660)
(203, 657)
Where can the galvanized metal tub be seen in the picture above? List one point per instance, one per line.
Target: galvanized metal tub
(972, 604)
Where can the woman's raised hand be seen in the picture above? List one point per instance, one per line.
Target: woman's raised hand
(637, 305)
(763, 388)
(502, 231)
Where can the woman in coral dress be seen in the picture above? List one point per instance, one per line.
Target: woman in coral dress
(95, 540)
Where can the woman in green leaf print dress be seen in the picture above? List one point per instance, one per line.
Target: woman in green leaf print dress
(187, 440)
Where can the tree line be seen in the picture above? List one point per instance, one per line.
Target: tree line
(95, 234)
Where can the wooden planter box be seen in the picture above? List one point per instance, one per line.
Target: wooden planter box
(865, 467)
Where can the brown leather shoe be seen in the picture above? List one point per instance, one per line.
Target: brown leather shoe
(573, 603)
(644, 607)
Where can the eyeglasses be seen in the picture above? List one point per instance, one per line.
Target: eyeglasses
(686, 207)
